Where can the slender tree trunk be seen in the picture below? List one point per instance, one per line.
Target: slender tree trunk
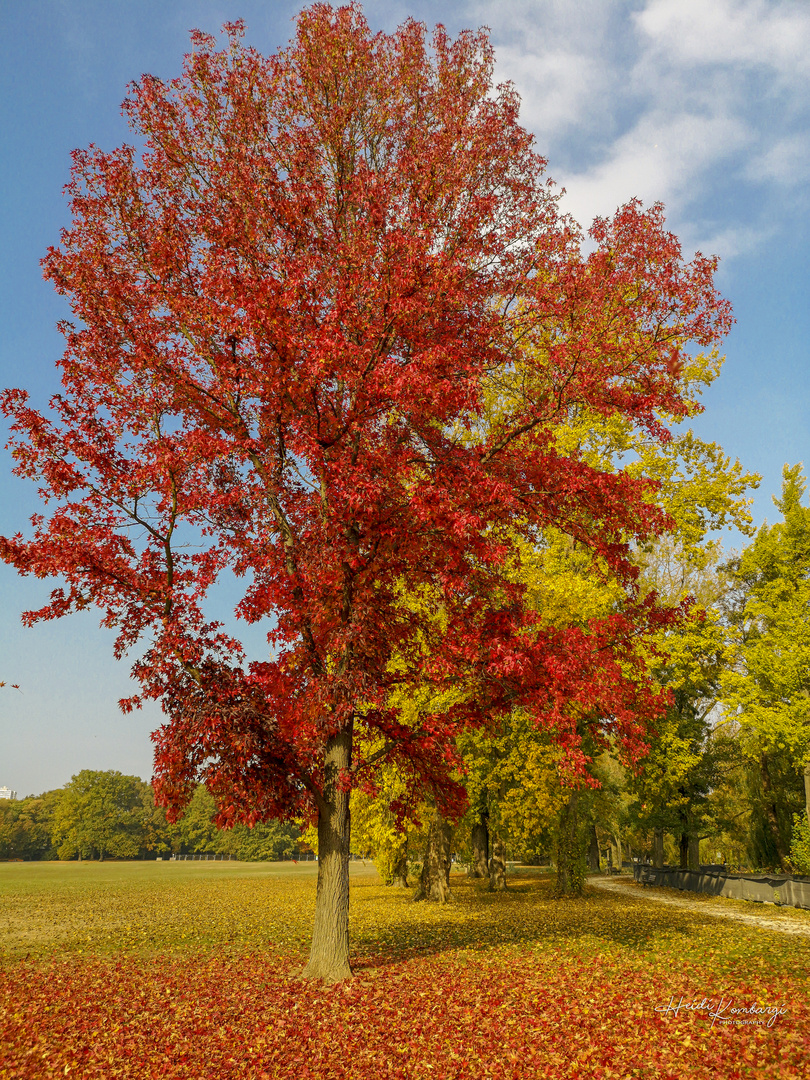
(329, 954)
(683, 840)
(618, 840)
(807, 790)
(771, 815)
(594, 862)
(684, 850)
(693, 857)
(570, 851)
(434, 881)
(400, 879)
(479, 841)
(658, 848)
(497, 865)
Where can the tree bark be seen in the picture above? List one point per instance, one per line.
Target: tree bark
(434, 881)
(329, 954)
(683, 840)
(594, 862)
(497, 865)
(771, 815)
(570, 851)
(807, 790)
(400, 878)
(619, 855)
(658, 848)
(479, 841)
(693, 855)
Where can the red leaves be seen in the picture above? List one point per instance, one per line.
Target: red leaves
(532, 1016)
(300, 318)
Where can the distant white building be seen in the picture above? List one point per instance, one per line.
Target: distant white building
(7, 793)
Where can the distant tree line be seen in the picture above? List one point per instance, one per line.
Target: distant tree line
(103, 815)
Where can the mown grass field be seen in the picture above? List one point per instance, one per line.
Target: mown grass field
(171, 970)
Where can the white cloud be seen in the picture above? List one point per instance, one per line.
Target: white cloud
(753, 32)
(701, 104)
(729, 242)
(786, 162)
(657, 160)
(557, 88)
(554, 51)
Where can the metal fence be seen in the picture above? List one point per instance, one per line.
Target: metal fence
(204, 858)
(760, 888)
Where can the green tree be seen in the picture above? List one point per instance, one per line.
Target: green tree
(26, 826)
(100, 814)
(195, 830)
(196, 833)
(157, 832)
(678, 785)
(767, 689)
(800, 845)
(773, 791)
(269, 841)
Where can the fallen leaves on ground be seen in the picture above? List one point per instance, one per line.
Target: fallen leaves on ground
(507, 986)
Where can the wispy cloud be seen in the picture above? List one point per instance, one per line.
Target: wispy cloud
(702, 104)
(656, 160)
(750, 32)
(786, 162)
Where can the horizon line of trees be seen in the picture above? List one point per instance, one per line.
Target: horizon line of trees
(103, 814)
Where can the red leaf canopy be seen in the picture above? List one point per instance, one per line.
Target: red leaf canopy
(290, 309)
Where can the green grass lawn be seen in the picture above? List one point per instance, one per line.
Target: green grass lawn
(109, 968)
(58, 908)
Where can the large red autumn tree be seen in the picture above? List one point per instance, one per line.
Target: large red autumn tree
(292, 312)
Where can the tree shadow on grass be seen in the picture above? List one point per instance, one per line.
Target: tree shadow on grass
(391, 928)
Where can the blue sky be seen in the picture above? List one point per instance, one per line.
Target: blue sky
(701, 104)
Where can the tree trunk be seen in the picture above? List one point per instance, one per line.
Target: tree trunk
(594, 862)
(570, 852)
(658, 848)
(807, 790)
(479, 841)
(497, 865)
(683, 840)
(329, 954)
(400, 879)
(693, 856)
(619, 856)
(771, 816)
(434, 881)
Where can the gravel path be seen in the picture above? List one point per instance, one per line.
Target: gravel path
(785, 923)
